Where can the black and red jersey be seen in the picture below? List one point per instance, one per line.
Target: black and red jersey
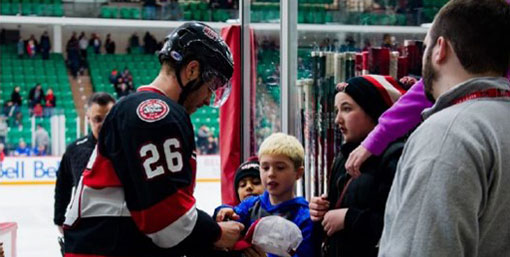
(136, 196)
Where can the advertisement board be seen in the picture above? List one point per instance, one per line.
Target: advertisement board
(43, 170)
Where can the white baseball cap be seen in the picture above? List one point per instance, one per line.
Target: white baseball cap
(272, 234)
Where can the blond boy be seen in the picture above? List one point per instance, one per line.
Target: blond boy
(281, 164)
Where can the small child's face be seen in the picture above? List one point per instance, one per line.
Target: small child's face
(249, 186)
(278, 176)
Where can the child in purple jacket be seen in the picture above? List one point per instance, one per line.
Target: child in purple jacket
(403, 116)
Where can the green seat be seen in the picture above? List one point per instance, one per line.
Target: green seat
(26, 9)
(39, 9)
(125, 13)
(57, 10)
(106, 12)
(135, 13)
(6, 9)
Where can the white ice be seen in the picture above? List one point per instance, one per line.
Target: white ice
(31, 206)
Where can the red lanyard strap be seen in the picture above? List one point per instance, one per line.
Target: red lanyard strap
(492, 93)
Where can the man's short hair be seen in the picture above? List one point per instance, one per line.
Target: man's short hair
(100, 98)
(479, 32)
(283, 144)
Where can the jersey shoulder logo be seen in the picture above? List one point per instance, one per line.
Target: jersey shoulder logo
(152, 110)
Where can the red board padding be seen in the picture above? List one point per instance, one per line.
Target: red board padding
(230, 115)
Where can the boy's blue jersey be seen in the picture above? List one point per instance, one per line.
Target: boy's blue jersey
(295, 210)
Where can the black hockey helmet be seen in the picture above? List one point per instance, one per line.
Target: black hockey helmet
(197, 41)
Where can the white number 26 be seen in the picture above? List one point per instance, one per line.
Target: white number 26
(173, 157)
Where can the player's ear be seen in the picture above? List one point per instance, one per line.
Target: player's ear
(192, 70)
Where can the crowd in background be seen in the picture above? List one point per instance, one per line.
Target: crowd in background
(31, 47)
(42, 145)
(206, 142)
(40, 104)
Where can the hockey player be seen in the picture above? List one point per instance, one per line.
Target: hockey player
(136, 196)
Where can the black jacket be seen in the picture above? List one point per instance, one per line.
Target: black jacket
(365, 197)
(71, 166)
(16, 98)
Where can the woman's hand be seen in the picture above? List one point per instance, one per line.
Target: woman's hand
(334, 221)
(318, 207)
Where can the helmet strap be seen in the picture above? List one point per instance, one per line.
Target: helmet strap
(191, 86)
(187, 89)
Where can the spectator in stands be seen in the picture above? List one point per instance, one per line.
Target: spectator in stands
(32, 37)
(149, 9)
(122, 89)
(83, 42)
(73, 54)
(39, 150)
(4, 128)
(349, 45)
(22, 149)
(10, 110)
(150, 43)
(35, 96)
(134, 43)
(388, 41)
(202, 136)
(222, 4)
(126, 74)
(3, 38)
(114, 76)
(21, 47)
(31, 48)
(175, 10)
(366, 44)
(45, 45)
(95, 42)
(212, 145)
(2, 152)
(109, 45)
(128, 79)
(41, 137)
(16, 96)
(50, 102)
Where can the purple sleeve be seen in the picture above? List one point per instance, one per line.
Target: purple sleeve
(403, 116)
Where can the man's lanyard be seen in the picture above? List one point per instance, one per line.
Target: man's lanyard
(490, 93)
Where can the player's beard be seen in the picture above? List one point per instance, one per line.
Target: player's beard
(429, 77)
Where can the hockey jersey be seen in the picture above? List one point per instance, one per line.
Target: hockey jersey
(135, 197)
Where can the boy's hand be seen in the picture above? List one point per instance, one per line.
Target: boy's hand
(254, 251)
(355, 160)
(334, 221)
(230, 234)
(226, 214)
(318, 207)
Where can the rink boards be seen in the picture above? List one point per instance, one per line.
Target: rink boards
(43, 170)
